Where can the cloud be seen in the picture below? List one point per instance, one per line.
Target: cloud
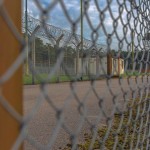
(96, 10)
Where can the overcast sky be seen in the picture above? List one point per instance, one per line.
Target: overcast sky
(58, 18)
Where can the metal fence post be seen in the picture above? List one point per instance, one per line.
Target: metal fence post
(26, 28)
(81, 13)
(132, 42)
(119, 63)
(12, 89)
(33, 61)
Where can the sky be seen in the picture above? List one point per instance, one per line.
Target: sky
(57, 16)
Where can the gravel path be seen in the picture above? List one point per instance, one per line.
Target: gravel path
(44, 122)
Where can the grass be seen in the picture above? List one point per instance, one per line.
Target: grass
(123, 132)
(130, 74)
(27, 79)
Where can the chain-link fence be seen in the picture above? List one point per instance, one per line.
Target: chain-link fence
(106, 43)
(44, 56)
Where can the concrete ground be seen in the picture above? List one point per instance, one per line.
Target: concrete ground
(66, 96)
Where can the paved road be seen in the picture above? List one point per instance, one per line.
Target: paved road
(44, 122)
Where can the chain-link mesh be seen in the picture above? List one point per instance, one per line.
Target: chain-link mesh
(110, 110)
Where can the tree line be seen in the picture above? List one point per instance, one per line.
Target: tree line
(46, 53)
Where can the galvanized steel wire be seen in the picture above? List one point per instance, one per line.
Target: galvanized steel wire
(132, 15)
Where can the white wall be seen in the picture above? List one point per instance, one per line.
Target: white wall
(91, 66)
(95, 66)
